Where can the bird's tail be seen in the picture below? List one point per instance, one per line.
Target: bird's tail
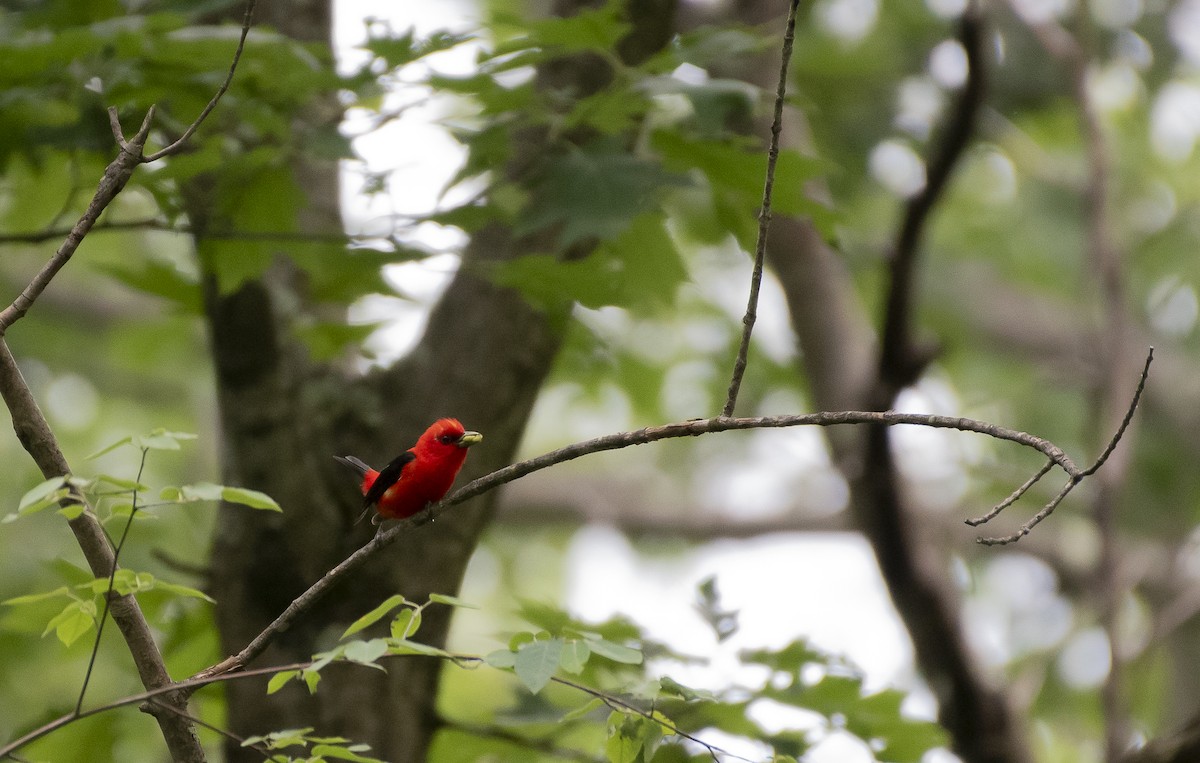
(353, 463)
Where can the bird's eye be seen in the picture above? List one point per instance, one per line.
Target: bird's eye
(446, 439)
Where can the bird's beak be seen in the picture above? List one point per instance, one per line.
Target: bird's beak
(469, 438)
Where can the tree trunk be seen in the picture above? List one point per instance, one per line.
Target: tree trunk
(483, 357)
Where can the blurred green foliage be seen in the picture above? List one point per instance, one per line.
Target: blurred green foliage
(663, 195)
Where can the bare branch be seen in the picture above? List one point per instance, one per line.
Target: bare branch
(1013, 497)
(247, 22)
(1075, 478)
(389, 535)
(764, 216)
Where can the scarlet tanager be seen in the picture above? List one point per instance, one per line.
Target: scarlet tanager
(417, 477)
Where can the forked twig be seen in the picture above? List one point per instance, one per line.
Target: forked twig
(1075, 475)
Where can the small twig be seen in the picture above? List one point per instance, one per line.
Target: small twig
(1125, 421)
(1013, 497)
(247, 22)
(112, 578)
(259, 748)
(616, 703)
(764, 216)
(1077, 477)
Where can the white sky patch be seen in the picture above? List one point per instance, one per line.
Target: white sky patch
(1041, 11)
(784, 587)
(896, 167)
(1173, 307)
(1116, 14)
(947, 9)
(918, 102)
(72, 402)
(1115, 87)
(1183, 26)
(1083, 664)
(850, 20)
(1175, 119)
(948, 64)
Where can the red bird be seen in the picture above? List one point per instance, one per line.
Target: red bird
(419, 476)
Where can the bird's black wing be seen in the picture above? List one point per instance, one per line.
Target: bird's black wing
(388, 476)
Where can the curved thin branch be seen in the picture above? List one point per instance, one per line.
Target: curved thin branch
(389, 535)
(764, 216)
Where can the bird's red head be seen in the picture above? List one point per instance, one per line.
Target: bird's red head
(447, 436)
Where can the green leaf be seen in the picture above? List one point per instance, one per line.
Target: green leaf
(595, 191)
(366, 652)
(160, 279)
(279, 679)
(42, 495)
(36, 597)
(341, 753)
(182, 590)
(639, 269)
(124, 484)
(671, 687)
(503, 659)
(247, 497)
(406, 623)
(615, 652)
(76, 619)
(70, 511)
(374, 616)
(536, 662)
(452, 601)
(127, 439)
(595, 29)
(404, 646)
(593, 705)
(207, 491)
(157, 441)
(311, 679)
(328, 340)
(575, 655)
